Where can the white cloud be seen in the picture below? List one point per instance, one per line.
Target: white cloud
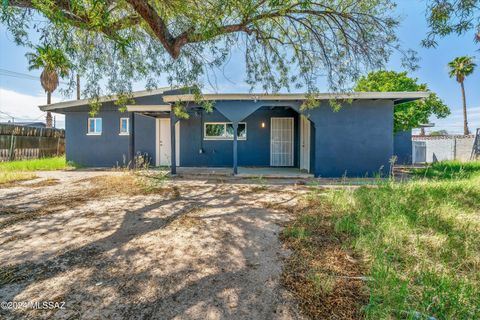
(24, 107)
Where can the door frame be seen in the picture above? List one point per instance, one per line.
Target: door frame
(292, 119)
(157, 140)
(305, 143)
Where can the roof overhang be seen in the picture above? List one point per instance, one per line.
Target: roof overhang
(82, 102)
(397, 97)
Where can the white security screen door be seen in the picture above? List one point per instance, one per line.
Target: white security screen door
(281, 142)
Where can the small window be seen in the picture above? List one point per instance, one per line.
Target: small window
(124, 128)
(224, 131)
(94, 126)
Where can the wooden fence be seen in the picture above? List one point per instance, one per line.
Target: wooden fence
(19, 142)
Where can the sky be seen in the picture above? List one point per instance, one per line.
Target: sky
(20, 96)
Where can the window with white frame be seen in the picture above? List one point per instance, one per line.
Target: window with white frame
(94, 126)
(224, 131)
(124, 128)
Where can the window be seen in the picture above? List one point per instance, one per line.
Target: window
(124, 128)
(224, 131)
(94, 126)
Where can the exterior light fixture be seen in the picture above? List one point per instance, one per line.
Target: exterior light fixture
(263, 124)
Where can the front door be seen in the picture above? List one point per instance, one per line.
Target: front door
(164, 142)
(281, 142)
(304, 143)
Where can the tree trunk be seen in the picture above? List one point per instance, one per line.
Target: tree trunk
(465, 120)
(49, 114)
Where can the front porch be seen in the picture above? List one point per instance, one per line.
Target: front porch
(245, 172)
(244, 138)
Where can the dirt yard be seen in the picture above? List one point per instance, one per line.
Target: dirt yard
(190, 250)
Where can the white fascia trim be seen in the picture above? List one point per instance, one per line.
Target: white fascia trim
(149, 108)
(300, 96)
(75, 103)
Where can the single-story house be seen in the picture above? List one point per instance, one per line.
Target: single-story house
(242, 131)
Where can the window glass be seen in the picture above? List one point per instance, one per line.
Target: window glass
(91, 125)
(98, 125)
(241, 131)
(95, 125)
(215, 130)
(124, 125)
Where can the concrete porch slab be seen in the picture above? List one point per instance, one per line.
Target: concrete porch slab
(272, 172)
(245, 172)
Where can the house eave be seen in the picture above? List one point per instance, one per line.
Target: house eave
(396, 97)
(82, 102)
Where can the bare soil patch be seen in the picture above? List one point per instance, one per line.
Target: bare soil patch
(117, 247)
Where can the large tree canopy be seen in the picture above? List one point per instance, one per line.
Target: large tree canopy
(445, 17)
(286, 43)
(408, 115)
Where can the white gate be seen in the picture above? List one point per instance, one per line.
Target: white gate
(281, 142)
(419, 152)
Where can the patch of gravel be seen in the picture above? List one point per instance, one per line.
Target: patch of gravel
(209, 252)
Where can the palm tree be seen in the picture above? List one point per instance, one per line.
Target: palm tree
(54, 64)
(460, 68)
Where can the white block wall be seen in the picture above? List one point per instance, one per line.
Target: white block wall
(447, 147)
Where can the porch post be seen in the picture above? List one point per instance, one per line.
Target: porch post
(173, 156)
(132, 141)
(235, 140)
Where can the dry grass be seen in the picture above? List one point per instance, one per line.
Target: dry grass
(395, 251)
(8, 178)
(96, 188)
(43, 183)
(326, 279)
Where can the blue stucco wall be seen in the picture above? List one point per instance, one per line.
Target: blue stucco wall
(108, 149)
(402, 147)
(355, 141)
(254, 151)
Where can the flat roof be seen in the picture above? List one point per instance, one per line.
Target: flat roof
(396, 97)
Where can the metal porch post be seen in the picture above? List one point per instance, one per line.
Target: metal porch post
(235, 140)
(173, 156)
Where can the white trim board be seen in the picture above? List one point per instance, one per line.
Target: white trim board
(147, 107)
(300, 96)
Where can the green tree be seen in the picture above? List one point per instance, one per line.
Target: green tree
(446, 17)
(285, 44)
(407, 115)
(460, 68)
(53, 63)
(439, 133)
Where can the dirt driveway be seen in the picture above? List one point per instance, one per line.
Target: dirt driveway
(202, 250)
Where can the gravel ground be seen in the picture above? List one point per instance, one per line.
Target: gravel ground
(209, 251)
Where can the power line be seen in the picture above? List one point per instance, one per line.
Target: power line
(19, 75)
